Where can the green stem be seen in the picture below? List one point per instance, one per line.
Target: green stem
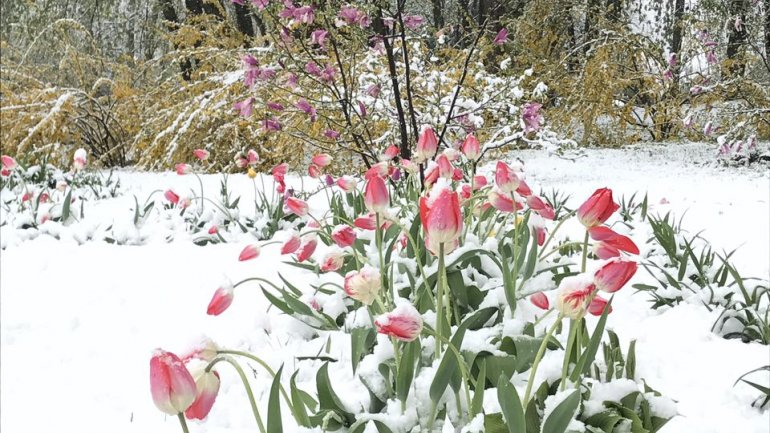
(183, 422)
(558, 226)
(440, 300)
(539, 357)
(564, 245)
(567, 352)
(585, 253)
(378, 235)
(200, 182)
(245, 380)
(266, 367)
(464, 372)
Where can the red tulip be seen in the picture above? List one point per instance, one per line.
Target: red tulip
(313, 171)
(614, 275)
(363, 285)
(403, 323)
(471, 147)
(213, 230)
(221, 300)
(431, 174)
(322, 159)
(572, 297)
(479, 181)
(183, 168)
(505, 178)
(332, 261)
(523, 189)
(296, 206)
(441, 219)
(391, 152)
(207, 387)
(249, 252)
(541, 207)
(171, 196)
(292, 244)
(596, 307)
(427, 144)
(444, 166)
(306, 248)
(344, 236)
(201, 154)
(171, 384)
(501, 201)
(540, 233)
(540, 300)
(376, 197)
(366, 222)
(597, 208)
(611, 243)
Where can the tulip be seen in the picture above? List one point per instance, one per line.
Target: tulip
(427, 144)
(614, 275)
(479, 181)
(251, 173)
(376, 197)
(596, 307)
(5, 172)
(501, 201)
(464, 191)
(332, 261)
(540, 234)
(381, 169)
(171, 384)
(201, 154)
(471, 147)
(279, 171)
(291, 245)
(306, 248)
(221, 300)
(8, 162)
(403, 323)
(363, 285)
(409, 166)
(343, 236)
(347, 183)
(611, 242)
(252, 157)
(240, 161)
(573, 293)
(171, 196)
(296, 206)
(183, 168)
(207, 387)
(322, 159)
(213, 230)
(313, 171)
(390, 153)
(249, 252)
(540, 301)
(79, 160)
(205, 350)
(505, 178)
(444, 166)
(366, 222)
(441, 219)
(597, 208)
(451, 154)
(541, 207)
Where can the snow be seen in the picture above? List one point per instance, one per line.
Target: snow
(81, 318)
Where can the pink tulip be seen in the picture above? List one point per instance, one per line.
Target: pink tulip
(171, 384)
(376, 197)
(614, 275)
(409, 166)
(572, 297)
(292, 244)
(183, 168)
(427, 144)
(201, 154)
(347, 183)
(540, 300)
(207, 387)
(205, 350)
(501, 37)
(471, 147)
(381, 169)
(391, 152)
(171, 196)
(541, 207)
(313, 171)
(479, 181)
(540, 234)
(442, 220)
(366, 222)
(8, 162)
(464, 191)
(403, 323)
(296, 206)
(444, 166)
(523, 189)
(363, 285)
(322, 159)
(306, 248)
(252, 157)
(240, 161)
(596, 307)
(505, 178)
(611, 243)
(332, 261)
(431, 173)
(597, 208)
(502, 202)
(221, 300)
(344, 236)
(249, 252)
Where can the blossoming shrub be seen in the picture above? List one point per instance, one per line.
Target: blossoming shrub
(453, 286)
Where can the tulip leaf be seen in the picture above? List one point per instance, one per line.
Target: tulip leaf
(587, 358)
(559, 419)
(493, 423)
(477, 404)
(274, 421)
(298, 403)
(406, 368)
(361, 342)
(327, 398)
(510, 403)
(65, 210)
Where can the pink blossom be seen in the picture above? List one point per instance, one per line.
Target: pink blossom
(318, 37)
(245, 107)
(201, 154)
(296, 206)
(540, 300)
(271, 124)
(373, 90)
(597, 208)
(403, 323)
(8, 162)
(171, 384)
(275, 106)
(332, 261)
(221, 301)
(471, 147)
(207, 386)
(322, 159)
(363, 285)
(291, 244)
(182, 169)
(376, 196)
(427, 144)
(413, 22)
(306, 248)
(347, 183)
(305, 106)
(531, 117)
(501, 37)
(332, 134)
(249, 252)
(442, 220)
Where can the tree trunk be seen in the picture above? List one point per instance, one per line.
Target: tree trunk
(243, 20)
(767, 30)
(172, 24)
(438, 13)
(737, 37)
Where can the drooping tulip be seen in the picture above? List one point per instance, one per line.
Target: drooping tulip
(597, 305)
(540, 300)
(222, 299)
(363, 285)
(171, 196)
(572, 296)
(344, 236)
(296, 206)
(347, 183)
(506, 178)
(332, 261)
(307, 248)
(205, 350)
(614, 275)
(249, 252)
(597, 208)
(182, 169)
(501, 201)
(376, 196)
(291, 244)
(8, 162)
(171, 384)
(322, 160)
(539, 205)
(403, 323)
(313, 171)
(366, 222)
(611, 243)
(207, 388)
(442, 220)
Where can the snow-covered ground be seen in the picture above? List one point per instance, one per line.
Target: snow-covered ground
(79, 322)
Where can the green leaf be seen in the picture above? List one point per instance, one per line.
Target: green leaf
(406, 367)
(361, 343)
(274, 421)
(559, 419)
(587, 358)
(631, 360)
(477, 404)
(493, 423)
(510, 403)
(606, 420)
(327, 398)
(298, 403)
(65, 210)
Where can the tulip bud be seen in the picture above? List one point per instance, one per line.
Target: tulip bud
(221, 300)
(390, 153)
(183, 168)
(471, 147)
(8, 162)
(427, 144)
(363, 285)
(343, 236)
(171, 384)
(376, 197)
(296, 206)
(306, 248)
(207, 387)
(322, 160)
(291, 245)
(403, 323)
(442, 220)
(540, 300)
(597, 208)
(444, 166)
(505, 178)
(347, 183)
(332, 261)
(252, 158)
(614, 275)
(313, 171)
(171, 196)
(249, 252)
(201, 154)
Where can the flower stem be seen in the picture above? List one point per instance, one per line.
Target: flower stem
(585, 253)
(378, 234)
(183, 422)
(567, 352)
(265, 366)
(440, 300)
(539, 357)
(550, 237)
(249, 392)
